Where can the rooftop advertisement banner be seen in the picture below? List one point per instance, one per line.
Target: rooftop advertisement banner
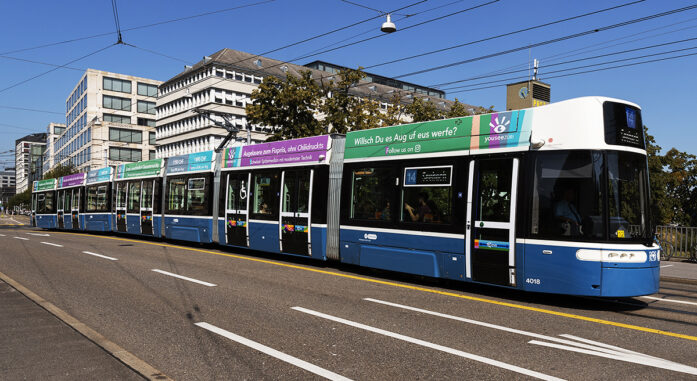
(498, 130)
(71, 180)
(140, 169)
(312, 149)
(44, 185)
(201, 161)
(100, 175)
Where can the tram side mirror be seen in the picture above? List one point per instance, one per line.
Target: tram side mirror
(321, 157)
(536, 143)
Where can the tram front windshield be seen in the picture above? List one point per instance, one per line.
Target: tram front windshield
(590, 196)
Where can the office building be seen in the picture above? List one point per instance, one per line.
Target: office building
(7, 185)
(29, 153)
(222, 84)
(110, 120)
(53, 131)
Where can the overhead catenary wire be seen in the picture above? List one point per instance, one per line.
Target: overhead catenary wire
(551, 41)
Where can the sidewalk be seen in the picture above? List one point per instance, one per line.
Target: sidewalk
(679, 271)
(34, 344)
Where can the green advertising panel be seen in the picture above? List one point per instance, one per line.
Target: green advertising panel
(139, 169)
(44, 185)
(478, 132)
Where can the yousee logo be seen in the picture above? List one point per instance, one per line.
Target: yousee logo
(499, 126)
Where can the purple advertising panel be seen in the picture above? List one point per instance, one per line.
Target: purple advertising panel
(312, 149)
(71, 180)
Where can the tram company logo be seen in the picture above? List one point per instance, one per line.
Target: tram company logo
(499, 126)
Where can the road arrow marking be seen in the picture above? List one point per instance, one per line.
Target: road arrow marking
(580, 345)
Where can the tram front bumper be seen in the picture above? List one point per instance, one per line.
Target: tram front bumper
(629, 281)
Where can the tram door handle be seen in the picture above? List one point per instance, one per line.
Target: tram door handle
(468, 225)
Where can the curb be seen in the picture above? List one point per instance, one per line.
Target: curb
(678, 280)
(144, 369)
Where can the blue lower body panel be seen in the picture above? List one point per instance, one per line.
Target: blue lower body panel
(46, 221)
(623, 282)
(264, 237)
(97, 222)
(190, 229)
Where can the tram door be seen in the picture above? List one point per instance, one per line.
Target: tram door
(60, 207)
(236, 207)
(33, 209)
(490, 234)
(147, 200)
(75, 208)
(121, 189)
(296, 193)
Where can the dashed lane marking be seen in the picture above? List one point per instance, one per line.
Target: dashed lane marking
(184, 278)
(22, 238)
(273, 353)
(430, 345)
(669, 300)
(409, 287)
(100, 256)
(52, 244)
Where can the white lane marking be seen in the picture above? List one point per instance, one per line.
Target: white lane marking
(582, 346)
(40, 234)
(669, 300)
(2, 235)
(185, 278)
(273, 353)
(52, 244)
(100, 256)
(427, 344)
(666, 266)
(22, 238)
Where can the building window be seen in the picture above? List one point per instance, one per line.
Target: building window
(124, 154)
(152, 139)
(117, 118)
(152, 155)
(148, 90)
(146, 122)
(146, 107)
(119, 85)
(125, 136)
(116, 103)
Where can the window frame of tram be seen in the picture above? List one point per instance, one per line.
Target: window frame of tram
(447, 202)
(201, 184)
(271, 196)
(589, 213)
(41, 202)
(94, 205)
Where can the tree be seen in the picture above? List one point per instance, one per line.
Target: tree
(60, 171)
(20, 200)
(681, 180)
(457, 110)
(423, 111)
(343, 111)
(289, 105)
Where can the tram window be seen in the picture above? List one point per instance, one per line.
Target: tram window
(372, 191)
(147, 194)
(196, 196)
(494, 191)
(627, 195)
(91, 198)
(76, 199)
(102, 198)
(427, 205)
(67, 197)
(121, 196)
(237, 193)
(567, 196)
(133, 197)
(41, 203)
(175, 195)
(265, 195)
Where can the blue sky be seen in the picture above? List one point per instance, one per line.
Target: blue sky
(665, 90)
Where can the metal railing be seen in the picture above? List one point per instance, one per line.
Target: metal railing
(677, 242)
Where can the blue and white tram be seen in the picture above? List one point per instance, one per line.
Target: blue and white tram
(551, 199)
(273, 196)
(44, 203)
(98, 191)
(188, 197)
(137, 186)
(70, 192)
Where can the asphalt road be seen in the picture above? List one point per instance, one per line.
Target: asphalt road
(251, 316)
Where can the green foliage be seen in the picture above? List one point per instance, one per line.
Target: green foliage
(60, 171)
(289, 104)
(423, 111)
(457, 110)
(20, 199)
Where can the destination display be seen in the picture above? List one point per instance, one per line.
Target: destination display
(71, 180)
(194, 162)
(139, 169)
(44, 185)
(312, 149)
(623, 125)
(497, 130)
(100, 175)
(428, 176)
